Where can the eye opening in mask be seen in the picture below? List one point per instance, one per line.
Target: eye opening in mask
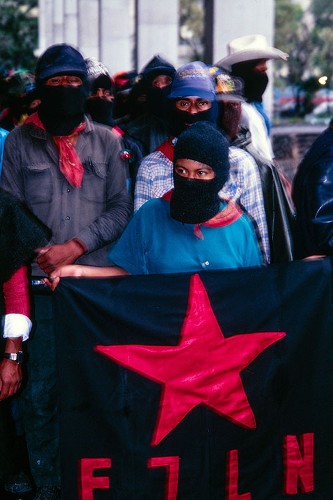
(193, 169)
(191, 104)
(161, 81)
(64, 80)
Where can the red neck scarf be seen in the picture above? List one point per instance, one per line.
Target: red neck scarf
(70, 164)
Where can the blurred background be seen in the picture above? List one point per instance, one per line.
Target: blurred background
(125, 34)
(184, 30)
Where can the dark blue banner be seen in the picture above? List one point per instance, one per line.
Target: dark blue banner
(197, 387)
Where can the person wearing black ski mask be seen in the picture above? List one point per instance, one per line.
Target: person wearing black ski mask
(100, 106)
(255, 78)
(69, 171)
(157, 78)
(63, 89)
(200, 171)
(151, 126)
(100, 102)
(189, 229)
(247, 59)
(191, 99)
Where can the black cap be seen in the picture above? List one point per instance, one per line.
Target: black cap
(60, 58)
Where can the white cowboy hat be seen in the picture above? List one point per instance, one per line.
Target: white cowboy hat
(247, 48)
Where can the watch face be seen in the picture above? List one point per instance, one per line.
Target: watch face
(14, 356)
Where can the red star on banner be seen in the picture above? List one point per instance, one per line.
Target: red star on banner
(203, 369)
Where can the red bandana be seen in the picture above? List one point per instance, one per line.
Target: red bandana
(227, 216)
(69, 162)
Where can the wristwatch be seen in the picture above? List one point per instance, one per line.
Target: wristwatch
(14, 356)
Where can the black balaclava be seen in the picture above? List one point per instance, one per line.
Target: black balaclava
(62, 108)
(255, 82)
(123, 83)
(100, 110)
(181, 120)
(157, 98)
(157, 101)
(195, 201)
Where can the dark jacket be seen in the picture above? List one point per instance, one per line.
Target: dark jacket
(21, 233)
(96, 213)
(279, 210)
(313, 197)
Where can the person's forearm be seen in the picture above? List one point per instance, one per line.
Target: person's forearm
(80, 271)
(13, 344)
(10, 371)
(95, 272)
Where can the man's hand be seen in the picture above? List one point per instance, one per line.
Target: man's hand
(61, 272)
(10, 378)
(54, 256)
(10, 371)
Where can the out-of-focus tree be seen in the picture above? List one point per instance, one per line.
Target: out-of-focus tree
(307, 37)
(294, 35)
(322, 11)
(18, 34)
(288, 16)
(323, 57)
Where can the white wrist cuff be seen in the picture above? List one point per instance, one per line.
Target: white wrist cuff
(16, 325)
